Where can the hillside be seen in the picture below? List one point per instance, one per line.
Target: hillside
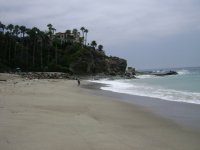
(69, 51)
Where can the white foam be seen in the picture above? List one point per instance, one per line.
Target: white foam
(183, 72)
(145, 76)
(126, 87)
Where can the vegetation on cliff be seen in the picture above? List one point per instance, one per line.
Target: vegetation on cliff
(36, 50)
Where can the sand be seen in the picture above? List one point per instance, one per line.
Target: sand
(59, 115)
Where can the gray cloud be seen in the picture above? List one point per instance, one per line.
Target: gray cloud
(118, 25)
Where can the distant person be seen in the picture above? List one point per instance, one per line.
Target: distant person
(78, 80)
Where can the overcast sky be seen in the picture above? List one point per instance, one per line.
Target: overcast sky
(148, 33)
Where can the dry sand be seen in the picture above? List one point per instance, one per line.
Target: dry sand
(59, 115)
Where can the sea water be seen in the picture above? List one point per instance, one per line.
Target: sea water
(184, 87)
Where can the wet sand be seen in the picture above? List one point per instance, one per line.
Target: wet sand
(58, 114)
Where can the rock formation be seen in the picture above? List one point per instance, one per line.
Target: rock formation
(95, 62)
(164, 73)
(130, 72)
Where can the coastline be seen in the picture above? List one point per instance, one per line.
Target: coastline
(185, 114)
(57, 114)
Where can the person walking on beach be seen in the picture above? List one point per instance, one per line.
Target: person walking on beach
(78, 80)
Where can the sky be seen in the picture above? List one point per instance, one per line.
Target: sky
(147, 33)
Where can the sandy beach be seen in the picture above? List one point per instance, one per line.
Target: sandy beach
(59, 115)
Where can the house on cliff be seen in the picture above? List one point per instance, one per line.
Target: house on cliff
(67, 37)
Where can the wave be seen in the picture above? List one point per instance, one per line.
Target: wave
(145, 76)
(180, 72)
(183, 72)
(128, 87)
(186, 71)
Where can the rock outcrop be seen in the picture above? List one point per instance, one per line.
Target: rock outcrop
(157, 73)
(95, 62)
(130, 72)
(165, 73)
(115, 65)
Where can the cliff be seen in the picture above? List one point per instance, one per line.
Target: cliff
(90, 61)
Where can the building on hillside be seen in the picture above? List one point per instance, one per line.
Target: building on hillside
(66, 37)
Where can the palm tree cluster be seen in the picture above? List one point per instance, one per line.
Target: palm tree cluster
(84, 34)
(34, 50)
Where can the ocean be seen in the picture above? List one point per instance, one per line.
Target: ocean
(184, 87)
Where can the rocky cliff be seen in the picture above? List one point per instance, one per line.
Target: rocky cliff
(115, 65)
(94, 62)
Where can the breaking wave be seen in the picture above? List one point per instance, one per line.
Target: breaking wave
(142, 89)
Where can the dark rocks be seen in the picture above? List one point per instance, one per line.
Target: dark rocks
(164, 73)
(131, 70)
(3, 80)
(157, 73)
(129, 76)
(130, 73)
(44, 75)
(116, 66)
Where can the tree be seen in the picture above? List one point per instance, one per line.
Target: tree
(75, 32)
(23, 30)
(10, 27)
(83, 30)
(33, 37)
(68, 32)
(86, 31)
(50, 27)
(100, 47)
(68, 35)
(2, 26)
(35, 50)
(94, 44)
(16, 30)
(16, 33)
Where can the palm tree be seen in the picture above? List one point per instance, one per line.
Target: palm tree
(2, 26)
(16, 33)
(10, 27)
(86, 31)
(94, 44)
(23, 30)
(50, 27)
(16, 30)
(76, 35)
(83, 30)
(68, 35)
(42, 42)
(33, 36)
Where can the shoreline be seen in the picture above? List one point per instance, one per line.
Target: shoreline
(58, 114)
(183, 113)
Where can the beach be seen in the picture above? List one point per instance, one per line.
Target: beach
(57, 114)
